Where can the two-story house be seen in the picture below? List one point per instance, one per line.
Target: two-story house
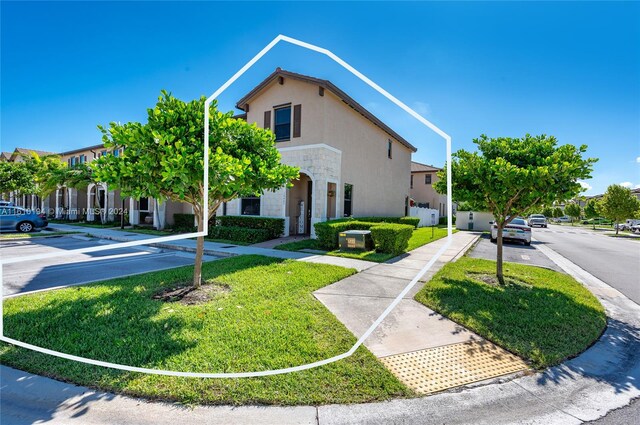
(423, 177)
(351, 163)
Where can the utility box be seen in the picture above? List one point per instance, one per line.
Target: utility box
(355, 239)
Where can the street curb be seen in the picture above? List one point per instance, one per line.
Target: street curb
(466, 248)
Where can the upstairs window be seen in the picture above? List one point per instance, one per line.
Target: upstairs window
(282, 124)
(412, 181)
(83, 159)
(427, 179)
(389, 148)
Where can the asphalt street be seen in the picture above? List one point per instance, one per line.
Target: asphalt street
(514, 252)
(615, 261)
(74, 268)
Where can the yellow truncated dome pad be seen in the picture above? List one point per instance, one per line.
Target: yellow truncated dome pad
(437, 369)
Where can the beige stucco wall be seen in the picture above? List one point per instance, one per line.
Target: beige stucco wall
(380, 184)
(425, 193)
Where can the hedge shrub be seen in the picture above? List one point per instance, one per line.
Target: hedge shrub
(240, 234)
(184, 222)
(391, 238)
(273, 226)
(327, 231)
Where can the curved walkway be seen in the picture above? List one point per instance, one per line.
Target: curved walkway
(605, 377)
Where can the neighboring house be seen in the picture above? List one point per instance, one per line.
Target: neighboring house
(423, 177)
(351, 163)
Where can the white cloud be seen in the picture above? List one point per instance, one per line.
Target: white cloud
(638, 160)
(626, 184)
(586, 186)
(422, 108)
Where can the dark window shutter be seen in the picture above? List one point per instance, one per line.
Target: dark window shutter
(267, 119)
(297, 117)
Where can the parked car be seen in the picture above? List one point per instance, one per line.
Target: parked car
(622, 226)
(517, 230)
(564, 219)
(6, 203)
(635, 228)
(21, 220)
(537, 220)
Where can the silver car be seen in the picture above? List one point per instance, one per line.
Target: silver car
(537, 220)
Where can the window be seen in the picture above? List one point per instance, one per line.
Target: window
(250, 205)
(103, 153)
(116, 152)
(348, 194)
(411, 181)
(73, 161)
(283, 123)
(82, 159)
(389, 146)
(427, 179)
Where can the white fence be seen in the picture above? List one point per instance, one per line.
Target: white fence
(427, 216)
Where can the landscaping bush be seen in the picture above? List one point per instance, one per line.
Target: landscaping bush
(442, 220)
(412, 221)
(327, 232)
(396, 220)
(273, 226)
(240, 234)
(184, 222)
(391, 238)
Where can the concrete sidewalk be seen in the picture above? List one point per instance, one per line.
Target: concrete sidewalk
(358, 300)
(214, 248)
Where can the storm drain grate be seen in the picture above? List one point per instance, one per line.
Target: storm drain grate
(437, 369)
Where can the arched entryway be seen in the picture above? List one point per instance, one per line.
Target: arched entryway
(300, 205)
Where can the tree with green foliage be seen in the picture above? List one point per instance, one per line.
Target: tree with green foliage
(164, 159)
(48, 173)
(574, 211)
(591, 211)
(511, 177)
(619, 204)
(15, 177)
(547, 212)
(557, 212)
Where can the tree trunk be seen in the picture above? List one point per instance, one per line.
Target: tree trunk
(499, 274)
(197, 267)
(617, 228)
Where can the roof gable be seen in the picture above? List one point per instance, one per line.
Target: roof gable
(327, 85)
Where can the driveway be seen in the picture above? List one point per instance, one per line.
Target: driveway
(512, 252)
(74, 269)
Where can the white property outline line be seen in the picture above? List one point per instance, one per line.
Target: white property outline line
(369, 331)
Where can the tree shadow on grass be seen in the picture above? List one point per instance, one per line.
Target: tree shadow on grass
(540, 324)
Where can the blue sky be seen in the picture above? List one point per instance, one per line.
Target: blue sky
(505, 69)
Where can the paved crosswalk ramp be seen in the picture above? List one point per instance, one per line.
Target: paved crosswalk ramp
(449, 366)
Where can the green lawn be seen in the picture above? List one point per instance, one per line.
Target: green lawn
(268, 320)
(545, 320)
(33, 235)
(421, 236)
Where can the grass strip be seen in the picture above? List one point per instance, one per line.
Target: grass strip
(544, 316)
